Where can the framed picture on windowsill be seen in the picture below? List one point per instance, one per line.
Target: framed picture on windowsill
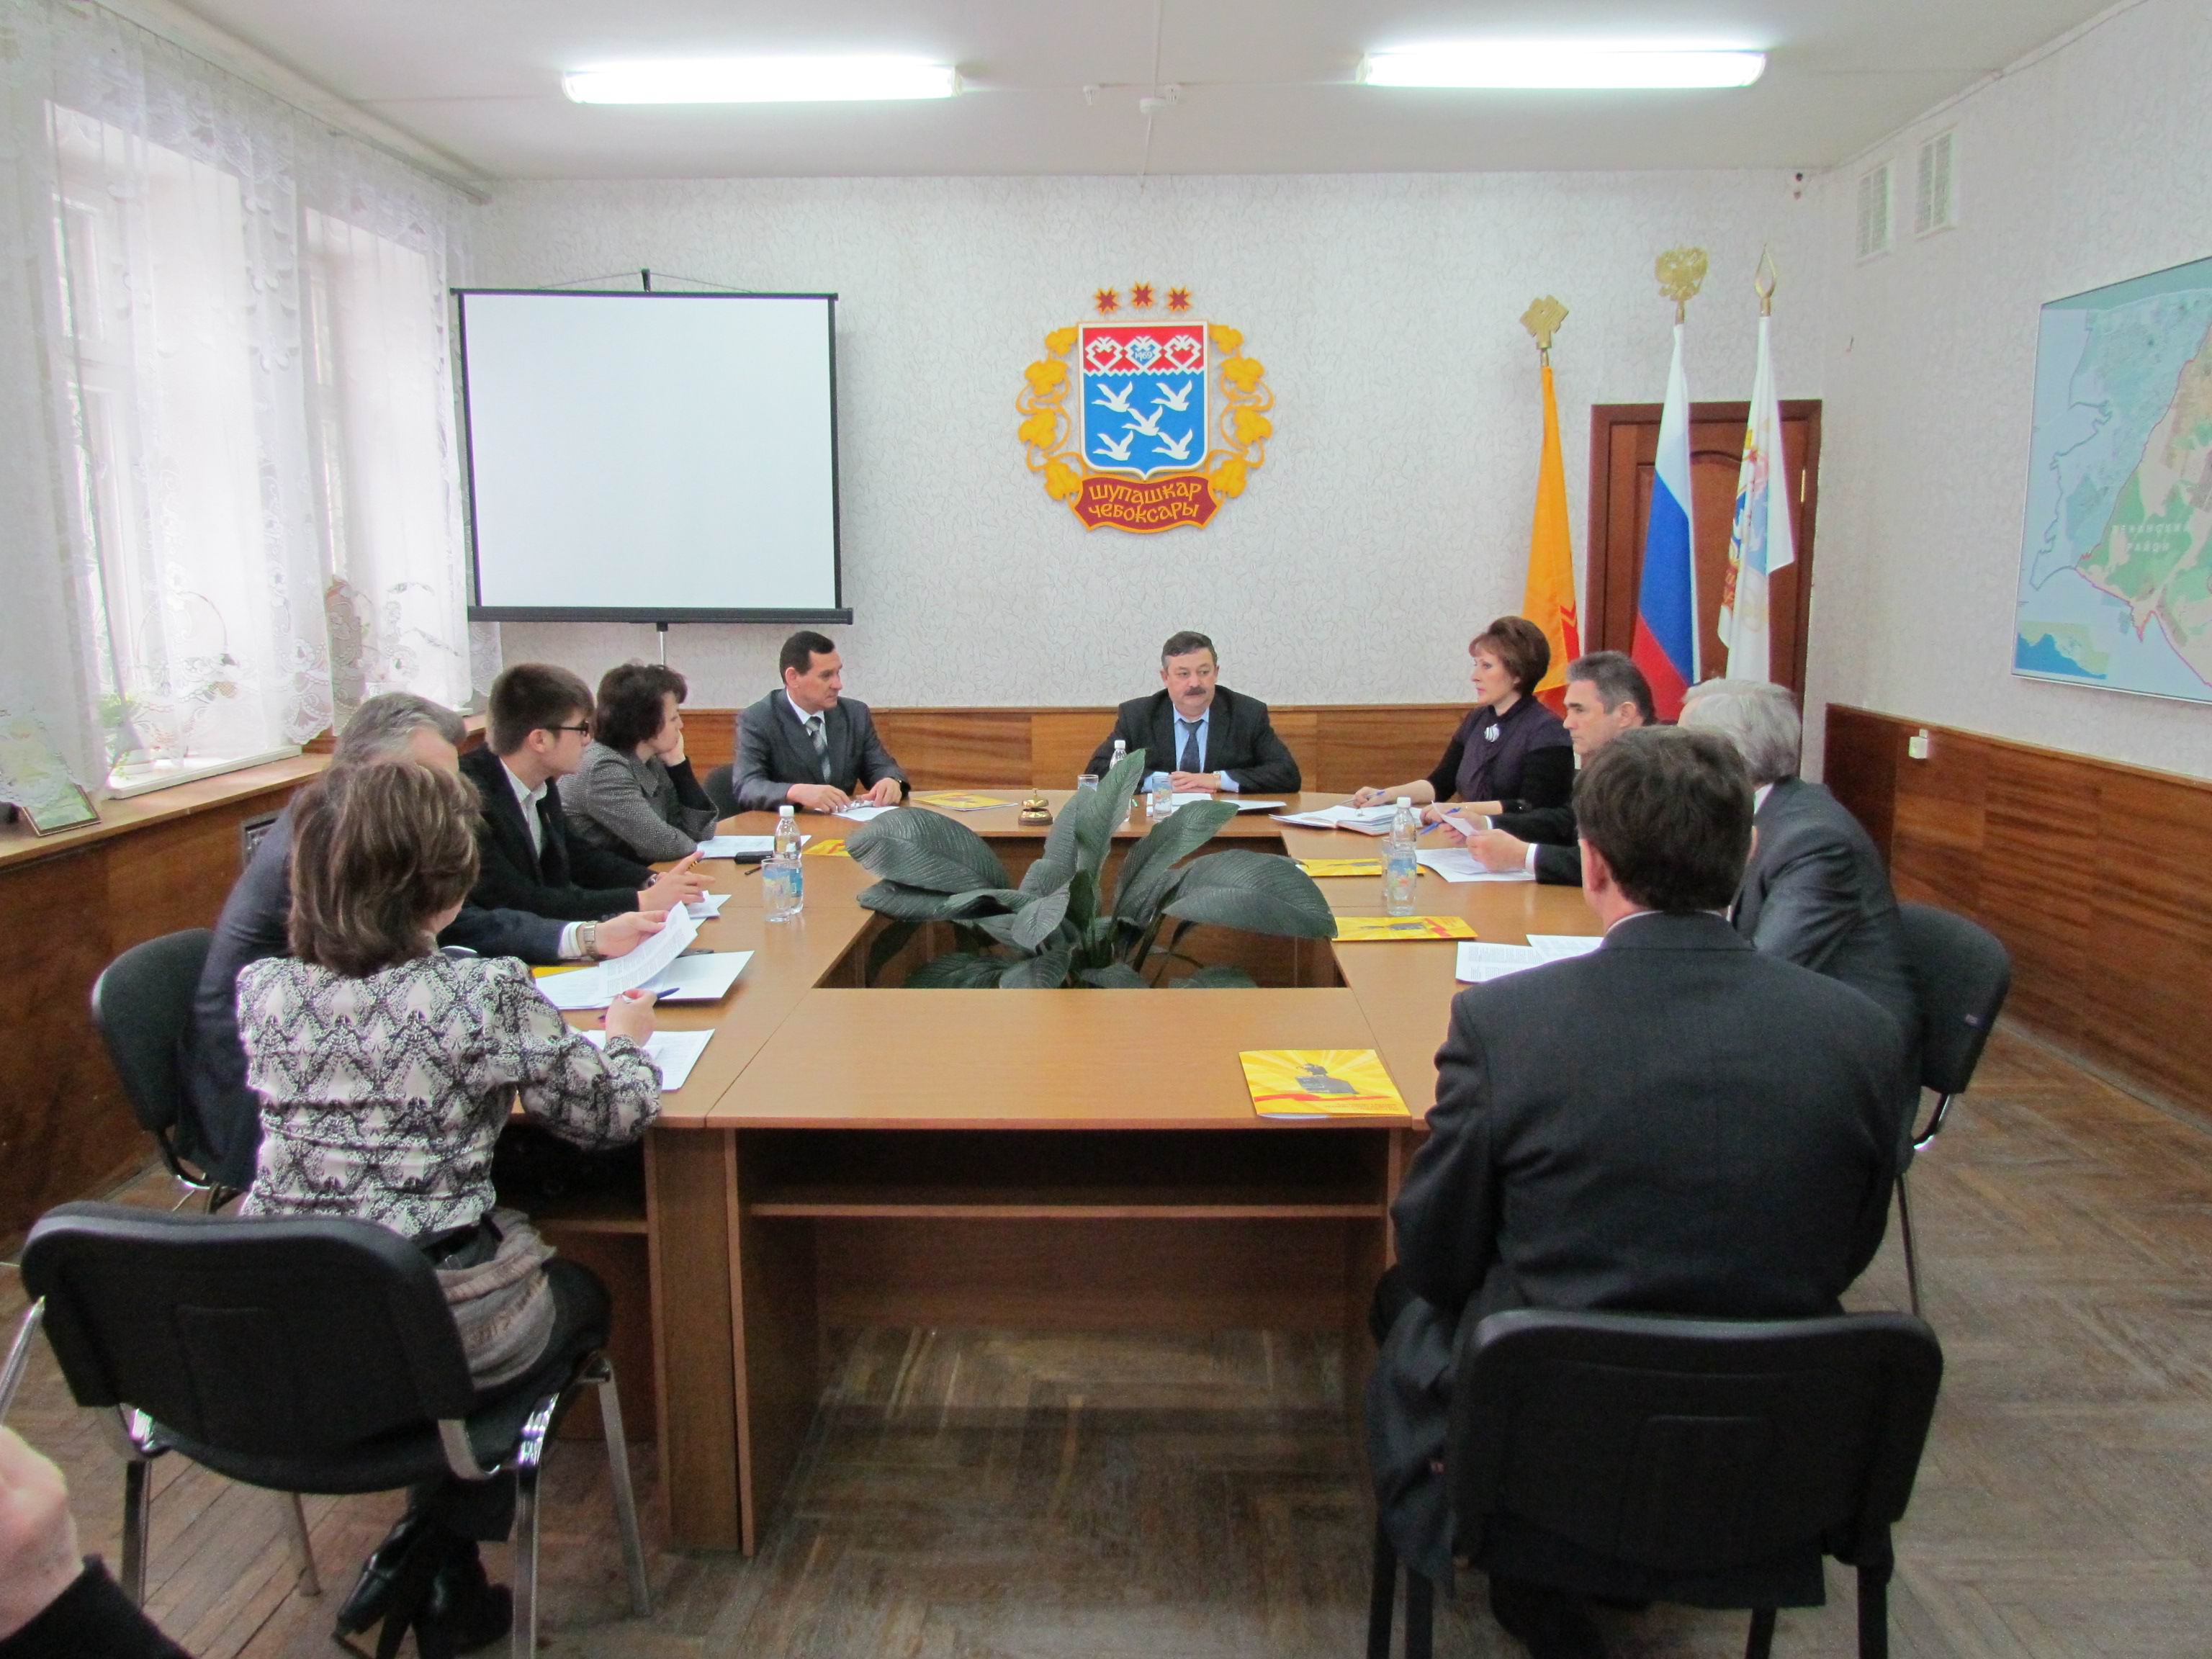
(35, 780)
(68, 807)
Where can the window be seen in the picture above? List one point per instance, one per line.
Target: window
(1935, 207)
(1873, 225)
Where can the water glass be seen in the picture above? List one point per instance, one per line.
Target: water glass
(1162, 804)
(1088, 780)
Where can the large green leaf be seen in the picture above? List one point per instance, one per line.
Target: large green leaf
(1145, 871)
(901, 902)
(1046, 971)
(1028, 928)
(1097, 813)
(928, 849)
(1056, 864)
(1260, 892)
(888, 944)
(975, 901)
(1219, 977)
(1114, 976)
(962, 970)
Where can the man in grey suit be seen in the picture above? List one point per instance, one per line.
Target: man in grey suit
(1815, 892)
(1196, 733)
(1674, 1123)
(809, 744)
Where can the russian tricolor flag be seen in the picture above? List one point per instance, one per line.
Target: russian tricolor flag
(1666, 647)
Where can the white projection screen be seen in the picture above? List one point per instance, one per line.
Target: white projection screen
(652, 457)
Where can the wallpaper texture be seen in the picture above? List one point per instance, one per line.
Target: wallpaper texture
(2081, 168)
(1391, 520)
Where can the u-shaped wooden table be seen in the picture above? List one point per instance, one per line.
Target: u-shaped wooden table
(844, 1154)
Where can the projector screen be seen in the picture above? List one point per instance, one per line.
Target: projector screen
(647, 457)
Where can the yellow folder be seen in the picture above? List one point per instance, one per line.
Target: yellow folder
(1377, 930)
(1321, 1082)
(958, 800)
(827, 847)
(1319, 867)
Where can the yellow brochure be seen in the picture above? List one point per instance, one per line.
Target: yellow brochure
(958, 800)
(1319, 867)
(1375, 930)
(558, 968)
(826, 847)
(1321, 1082)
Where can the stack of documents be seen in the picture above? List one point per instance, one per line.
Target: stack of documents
(1456, 865)
(1367, 820)
(704, 977)
(675, 1052)
(1480, 962)
(744, 849)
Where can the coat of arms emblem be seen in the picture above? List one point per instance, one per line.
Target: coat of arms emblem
(1145, 425)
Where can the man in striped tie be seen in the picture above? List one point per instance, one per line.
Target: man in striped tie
(809, 744)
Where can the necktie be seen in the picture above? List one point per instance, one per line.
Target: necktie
(1190, 756)
(821, 743)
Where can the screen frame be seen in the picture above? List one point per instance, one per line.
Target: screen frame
(841, 612)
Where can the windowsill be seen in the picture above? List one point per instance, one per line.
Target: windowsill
(275, 779)
(125, 782)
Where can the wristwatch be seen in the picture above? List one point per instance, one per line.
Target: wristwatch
(587, 939)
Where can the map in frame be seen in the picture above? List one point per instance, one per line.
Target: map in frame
(2116, 548)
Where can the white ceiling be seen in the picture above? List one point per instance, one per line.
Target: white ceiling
(1267, 84)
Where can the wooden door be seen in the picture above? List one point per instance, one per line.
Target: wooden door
(1623, 448)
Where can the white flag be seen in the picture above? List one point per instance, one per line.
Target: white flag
(1759, 542)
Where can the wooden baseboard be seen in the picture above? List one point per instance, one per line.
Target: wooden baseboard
(2092, 873)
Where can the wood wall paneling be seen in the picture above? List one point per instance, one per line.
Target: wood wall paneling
(2092, 873)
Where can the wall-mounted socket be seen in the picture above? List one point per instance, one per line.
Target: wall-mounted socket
(1915, 746)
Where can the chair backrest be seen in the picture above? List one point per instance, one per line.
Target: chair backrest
(721, 790)
(142, 1004)
(1690, 1446)
(1961, 974)
(271, 1336)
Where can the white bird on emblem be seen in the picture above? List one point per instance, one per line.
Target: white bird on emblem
(1176, 449)
(1120, 452)
(1116, 401)
(1178, 399)
(1148, 424)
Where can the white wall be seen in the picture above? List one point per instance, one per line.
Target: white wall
(1391, 520)
(2084, 166)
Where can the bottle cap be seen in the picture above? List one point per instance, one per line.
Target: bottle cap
(1405, 800)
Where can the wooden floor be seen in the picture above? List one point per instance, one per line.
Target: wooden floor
(975, 1495)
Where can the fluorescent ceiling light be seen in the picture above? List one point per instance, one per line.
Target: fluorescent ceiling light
(763, 81)
(1521, 65)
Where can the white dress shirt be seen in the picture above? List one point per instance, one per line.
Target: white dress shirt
(572, 947)
(1158, 779)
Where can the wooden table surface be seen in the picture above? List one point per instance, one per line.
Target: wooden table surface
(792, 1051)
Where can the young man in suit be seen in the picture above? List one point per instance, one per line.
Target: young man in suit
(540, 720)
(1198, 734)
(1675, 1123)
(808, 745)
(1607, 695)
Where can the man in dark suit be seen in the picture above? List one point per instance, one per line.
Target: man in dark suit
(219, 1128)
(1815, 891)
(1674, 1123)
(540, 719)
(808, 745)
(1607, 695)
(1197, 734)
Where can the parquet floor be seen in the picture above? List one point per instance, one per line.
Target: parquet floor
(994, 1496)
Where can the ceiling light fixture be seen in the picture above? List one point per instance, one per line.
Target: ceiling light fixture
(763, 81)
(1517, 65)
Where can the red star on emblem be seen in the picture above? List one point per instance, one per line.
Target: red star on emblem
(1178, 299)
(1140, 295)
(1107, 300)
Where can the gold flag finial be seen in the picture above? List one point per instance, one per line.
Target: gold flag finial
(1765, 278)
(1681, 272)
(1542, 320)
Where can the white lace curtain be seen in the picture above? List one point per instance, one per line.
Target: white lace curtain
(228, 496)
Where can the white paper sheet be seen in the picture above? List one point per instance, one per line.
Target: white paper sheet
(708, 908)
(1367, 820)
(1456, 865)
(1558, 947)
(863, 814)
(704, 977)
(1243, 805)
(741, 847)
(675, 1052)
(1478, 962)
(652, 953)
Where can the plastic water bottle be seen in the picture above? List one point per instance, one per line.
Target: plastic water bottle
(782, 874)
(1401, 864)
(1121, 752)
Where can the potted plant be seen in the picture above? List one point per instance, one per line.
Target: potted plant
(1059, 926)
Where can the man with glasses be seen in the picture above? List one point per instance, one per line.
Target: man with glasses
(540, 720)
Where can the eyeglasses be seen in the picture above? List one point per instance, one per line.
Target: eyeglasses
(585, 727)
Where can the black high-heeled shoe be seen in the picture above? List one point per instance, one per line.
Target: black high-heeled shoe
(371, 1597)
(463, 1611)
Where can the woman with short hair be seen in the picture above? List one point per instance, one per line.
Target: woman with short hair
(385, 1070)
(1510, 754)
(635, 795)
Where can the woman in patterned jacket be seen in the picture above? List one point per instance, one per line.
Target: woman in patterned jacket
(384, 1070)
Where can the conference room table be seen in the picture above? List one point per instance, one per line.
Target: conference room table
(847, 1153)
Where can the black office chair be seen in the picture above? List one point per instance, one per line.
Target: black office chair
(300, 1355)
(142, 1004)
(721, 790)
(1679, 1460)
(1961, 974)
